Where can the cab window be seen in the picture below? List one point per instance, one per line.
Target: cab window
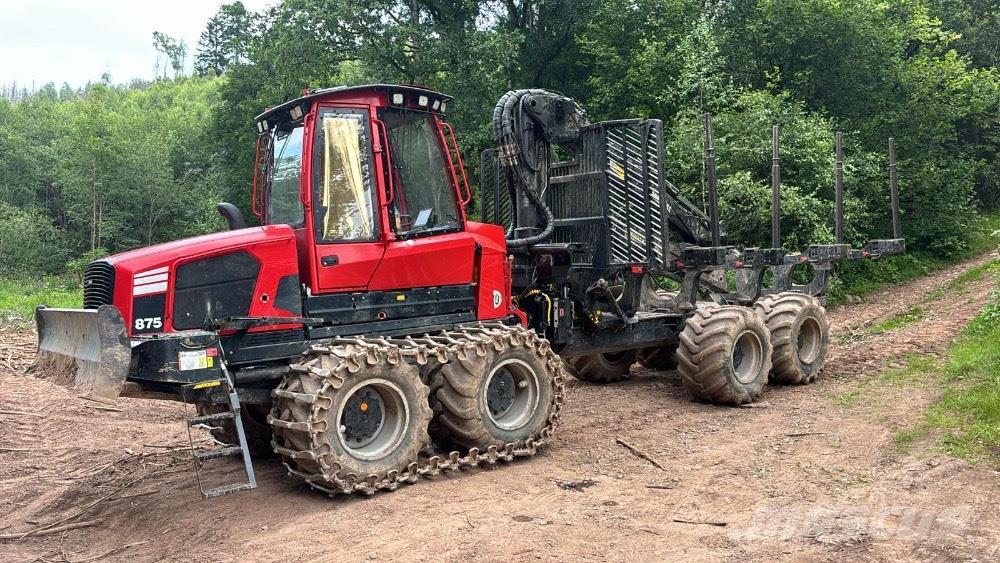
(344, 202)
(283, 202)
(424, 200)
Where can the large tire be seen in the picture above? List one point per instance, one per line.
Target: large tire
(255, 426)
(350, 413)
(800, 334)
(603, 368)
(724, 355)
(662, 358)
(494, 398)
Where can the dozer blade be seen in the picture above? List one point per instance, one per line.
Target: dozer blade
(85, 349)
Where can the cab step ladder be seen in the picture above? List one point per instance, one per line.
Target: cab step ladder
(233, 413)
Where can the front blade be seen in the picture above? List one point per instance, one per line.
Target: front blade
(85, 349)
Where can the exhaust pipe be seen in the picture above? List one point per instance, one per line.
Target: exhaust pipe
(87, 350)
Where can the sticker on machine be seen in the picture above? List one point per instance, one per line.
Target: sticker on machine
(497, 299)
(193, 359)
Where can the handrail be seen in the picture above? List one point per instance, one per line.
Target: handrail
(390, 181)
(258, 213)
(461, 165)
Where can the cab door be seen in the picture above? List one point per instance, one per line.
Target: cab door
(344, 212)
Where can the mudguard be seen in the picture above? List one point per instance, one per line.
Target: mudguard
(87, 350)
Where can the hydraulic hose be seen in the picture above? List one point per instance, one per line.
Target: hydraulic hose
(513, 158)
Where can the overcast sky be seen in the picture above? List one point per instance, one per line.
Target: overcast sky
(76, 41)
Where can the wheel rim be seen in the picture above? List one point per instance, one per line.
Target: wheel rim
(808, 341)
(746, 357)
(373, 419)
(511, 394)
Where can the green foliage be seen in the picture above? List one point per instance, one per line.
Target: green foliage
(174, 49)
(29, 243)
(115, 167)
(19, 296)
(859, 277)
(112, 168)
(225, 40)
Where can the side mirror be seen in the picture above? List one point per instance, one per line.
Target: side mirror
(233, 215)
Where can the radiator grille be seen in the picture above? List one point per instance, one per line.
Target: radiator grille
(98, 284)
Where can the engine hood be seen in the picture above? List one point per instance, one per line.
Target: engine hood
(165, 254)
(180, 285)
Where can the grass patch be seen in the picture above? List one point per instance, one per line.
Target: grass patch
(968, 414)
(18, 297)
(896, 321)
(975, 273)
(915, 370)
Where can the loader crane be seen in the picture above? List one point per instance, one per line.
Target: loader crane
(370, 334)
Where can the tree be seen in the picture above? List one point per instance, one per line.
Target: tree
(225, 40)
(174, 49)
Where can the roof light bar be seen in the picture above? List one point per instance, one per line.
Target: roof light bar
(295, 113)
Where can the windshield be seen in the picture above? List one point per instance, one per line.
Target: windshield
(284, 205)
(424, 198)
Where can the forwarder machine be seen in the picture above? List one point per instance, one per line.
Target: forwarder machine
(367, 316)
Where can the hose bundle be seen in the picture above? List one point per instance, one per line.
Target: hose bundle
(522, 153)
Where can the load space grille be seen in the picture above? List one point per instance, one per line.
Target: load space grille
(495, 196)
(612, 196)
(98, 284)
(636, 228)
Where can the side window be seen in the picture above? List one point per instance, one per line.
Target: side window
(284, 205)
(344, 209)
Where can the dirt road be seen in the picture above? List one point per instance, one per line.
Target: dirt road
(803, 475)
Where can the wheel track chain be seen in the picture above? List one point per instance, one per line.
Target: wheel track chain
(356, 352)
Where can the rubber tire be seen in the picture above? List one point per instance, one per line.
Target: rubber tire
(461, 416)
(784, 315)
(663, 358)
(599, 368)
(704, 356)
(333, 457)
(255, 426)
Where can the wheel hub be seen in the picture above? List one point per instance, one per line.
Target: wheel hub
(737, 357)
(808, 341)
(363, 417)
(500, 393)
(511, 394)
(746, 357)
